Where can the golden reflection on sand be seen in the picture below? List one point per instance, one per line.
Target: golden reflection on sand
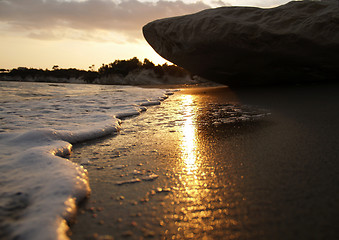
(189, 143)
(200, 207)
(191, 163)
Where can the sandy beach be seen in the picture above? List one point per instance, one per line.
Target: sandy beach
(196, 177)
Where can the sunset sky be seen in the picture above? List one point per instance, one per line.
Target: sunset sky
(79, 33)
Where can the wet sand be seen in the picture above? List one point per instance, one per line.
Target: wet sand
(272, 178)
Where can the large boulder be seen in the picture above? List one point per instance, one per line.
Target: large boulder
(237, 46)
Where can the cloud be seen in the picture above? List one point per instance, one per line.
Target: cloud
(257, 3)
(55, 19)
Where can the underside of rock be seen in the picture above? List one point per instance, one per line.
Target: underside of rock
(241, 46)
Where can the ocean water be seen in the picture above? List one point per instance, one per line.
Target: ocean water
(39, 187)
(225, 170)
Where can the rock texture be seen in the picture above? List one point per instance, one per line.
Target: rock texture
(237, 46)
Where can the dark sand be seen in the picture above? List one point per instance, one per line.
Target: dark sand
(274, 178)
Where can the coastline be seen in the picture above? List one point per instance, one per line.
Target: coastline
(270, 179)
(40, 122)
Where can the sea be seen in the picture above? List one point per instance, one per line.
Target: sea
(40, 122)
(202, 163)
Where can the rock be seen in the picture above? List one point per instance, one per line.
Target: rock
(136, 172)
(150, 177)
(119, 166)
(237, 46)
(133, 180)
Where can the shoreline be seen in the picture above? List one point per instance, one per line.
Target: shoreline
(269, 179)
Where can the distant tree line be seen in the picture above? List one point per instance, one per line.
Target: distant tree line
(124, 67)
(118, 67)
(25, 73)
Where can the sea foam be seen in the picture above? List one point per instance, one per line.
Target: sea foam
(40, 188)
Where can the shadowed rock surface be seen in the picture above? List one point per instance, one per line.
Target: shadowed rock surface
(239, 46)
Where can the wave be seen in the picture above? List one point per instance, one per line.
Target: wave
(40, 188)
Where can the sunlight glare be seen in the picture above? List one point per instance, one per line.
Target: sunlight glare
(188, 145)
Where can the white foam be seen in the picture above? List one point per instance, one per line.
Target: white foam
(39, 187)
(150, 103)
(50, 184)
